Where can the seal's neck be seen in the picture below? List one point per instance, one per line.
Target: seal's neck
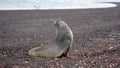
(63, 35)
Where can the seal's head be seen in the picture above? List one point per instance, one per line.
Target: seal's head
(60, 24)
(56, 23)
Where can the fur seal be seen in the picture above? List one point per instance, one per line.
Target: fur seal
(57, 48)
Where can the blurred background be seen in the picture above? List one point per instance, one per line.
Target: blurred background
(54, 4)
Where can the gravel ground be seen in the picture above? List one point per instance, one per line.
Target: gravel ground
(96, 38)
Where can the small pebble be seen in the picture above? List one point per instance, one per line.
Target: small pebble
(26, 61)
(110, 47)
